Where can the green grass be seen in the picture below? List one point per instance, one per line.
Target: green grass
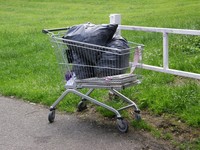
(190, 145)
(28, 66)
(141, 125)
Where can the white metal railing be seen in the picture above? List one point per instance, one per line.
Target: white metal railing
(116, 19)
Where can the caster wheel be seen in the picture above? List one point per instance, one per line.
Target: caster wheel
(51, 116)
(137, 117)
(122, 125)
(82, 106)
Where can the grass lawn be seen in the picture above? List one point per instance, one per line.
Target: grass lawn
(28, 67)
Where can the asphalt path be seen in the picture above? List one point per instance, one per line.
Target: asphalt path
(24, 126)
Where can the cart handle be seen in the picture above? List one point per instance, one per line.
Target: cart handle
(45, 31)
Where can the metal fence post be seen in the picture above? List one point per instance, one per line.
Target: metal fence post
(165, 51)
(116, 19)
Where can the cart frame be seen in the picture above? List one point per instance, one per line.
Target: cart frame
(112, 83)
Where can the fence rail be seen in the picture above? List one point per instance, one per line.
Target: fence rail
(162, 30)
(116, 18)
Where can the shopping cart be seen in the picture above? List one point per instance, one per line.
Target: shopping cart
(107, 74)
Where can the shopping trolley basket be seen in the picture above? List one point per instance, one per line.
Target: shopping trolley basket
(113, 70)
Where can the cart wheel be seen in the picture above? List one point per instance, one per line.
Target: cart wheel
(82, 106)
(51, 116)
(122, 125)
(137, 117)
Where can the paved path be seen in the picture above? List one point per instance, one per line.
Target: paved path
(24, 126)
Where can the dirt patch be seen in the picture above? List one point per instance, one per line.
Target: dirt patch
(180, 132)
(173, 131)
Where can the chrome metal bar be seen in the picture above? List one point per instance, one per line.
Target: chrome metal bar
(95, 102)
(89, 92)
(131, 105)
(125, 98)
(59, 99)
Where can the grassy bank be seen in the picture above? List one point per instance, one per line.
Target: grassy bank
(28, 66)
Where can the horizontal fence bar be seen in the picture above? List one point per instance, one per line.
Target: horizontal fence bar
(116, 18)
(165, 30)
(171, 71)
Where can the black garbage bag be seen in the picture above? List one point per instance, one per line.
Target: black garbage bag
(91, 33)
(113, 62)
(83, 56)
(69, 55)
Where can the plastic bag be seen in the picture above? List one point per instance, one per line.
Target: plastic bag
(113, 62)
(88, 33)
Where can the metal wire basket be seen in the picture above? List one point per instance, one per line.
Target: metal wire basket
(85, 60)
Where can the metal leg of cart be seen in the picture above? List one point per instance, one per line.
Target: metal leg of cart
(132, 104)
(53, 106)
(51, 115)
(121, 124)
